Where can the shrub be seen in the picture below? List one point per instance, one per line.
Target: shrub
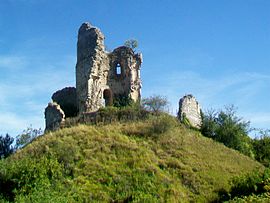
(128, 113)
(28, 175)
(131, 43)
(251, 186)
(225, 127)
(122, 100)
(156, 103)
(162, 123)
(153, 126)
(261, 147)
(107, 114)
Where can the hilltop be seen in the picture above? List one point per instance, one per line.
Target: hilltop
(122, 162)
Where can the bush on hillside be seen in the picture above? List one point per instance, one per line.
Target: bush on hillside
(251, 186)
(261, 147)
(153, 126)
(128, 113)
(21, 180)
(162, 123)
(225, 127)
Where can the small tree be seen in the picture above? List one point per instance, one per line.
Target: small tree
(131, 43)
(209, 125)
(155, 103)
(27, 136)
(6, 145)
(225, 127)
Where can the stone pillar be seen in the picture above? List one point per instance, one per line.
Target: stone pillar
(54, 117)
(90, 64)
(190, 109)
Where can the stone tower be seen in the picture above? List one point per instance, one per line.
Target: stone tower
(101, 78)
(91, 68)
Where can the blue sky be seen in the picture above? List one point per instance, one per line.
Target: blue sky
(217, 50)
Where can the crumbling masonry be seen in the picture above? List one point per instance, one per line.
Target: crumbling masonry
(101, 78)
(190, 111)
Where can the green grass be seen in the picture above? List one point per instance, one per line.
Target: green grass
(145, 161)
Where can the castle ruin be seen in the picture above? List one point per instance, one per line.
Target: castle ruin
(104, 78)
(101, 78)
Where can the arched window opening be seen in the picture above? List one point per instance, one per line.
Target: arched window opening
(118, 69)
(107, 96)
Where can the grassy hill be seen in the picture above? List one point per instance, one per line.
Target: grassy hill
(122, 162)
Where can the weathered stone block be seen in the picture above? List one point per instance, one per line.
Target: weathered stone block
(54, 117)
(190, 109)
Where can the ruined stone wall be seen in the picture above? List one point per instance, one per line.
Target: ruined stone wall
(136, 83)
(91, 68)
(128, 81)
(67, 99)
(190, 109)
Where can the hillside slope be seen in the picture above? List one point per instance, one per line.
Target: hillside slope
(121, 163)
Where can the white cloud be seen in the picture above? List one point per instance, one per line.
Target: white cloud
(12, 62)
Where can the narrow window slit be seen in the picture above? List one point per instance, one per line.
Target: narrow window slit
(118, 69)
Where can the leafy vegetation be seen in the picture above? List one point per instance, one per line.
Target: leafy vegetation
(111, 114)
(151, 160)
(27, 136)
(261, 146)
(122, 100)
(131, 43)
(232, 131)
(7, 145)
(253, 187)
(156, 103)
(141, 155)
(225, 127)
